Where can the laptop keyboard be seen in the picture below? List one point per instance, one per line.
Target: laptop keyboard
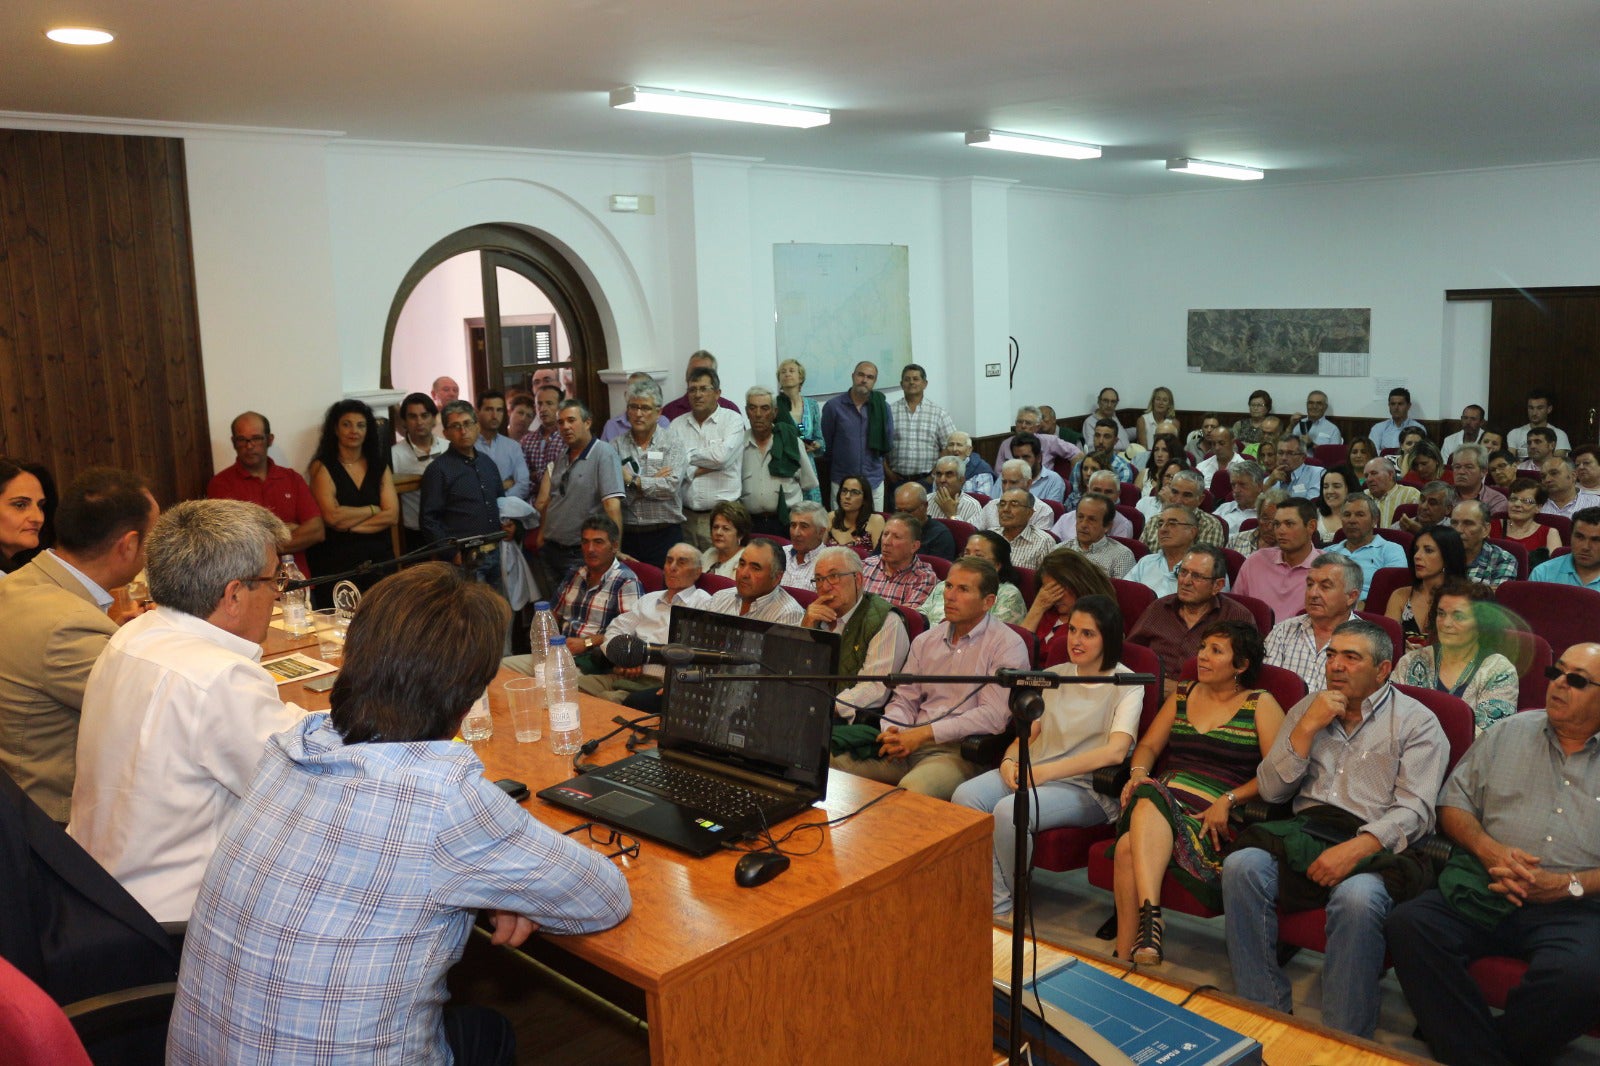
(716, 797)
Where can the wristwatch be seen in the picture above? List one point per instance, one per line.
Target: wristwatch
(1232, 802)
(1574, 886)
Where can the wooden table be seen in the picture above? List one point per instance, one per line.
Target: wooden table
(871, 950)
(278, 642)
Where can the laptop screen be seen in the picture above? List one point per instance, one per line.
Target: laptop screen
(770, 727)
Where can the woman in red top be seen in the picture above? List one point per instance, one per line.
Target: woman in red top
(1524, 497)
(1065, 576)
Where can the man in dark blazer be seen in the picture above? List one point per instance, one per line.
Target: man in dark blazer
(54, 623)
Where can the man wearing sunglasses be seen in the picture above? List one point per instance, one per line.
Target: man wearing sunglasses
(1523, 807)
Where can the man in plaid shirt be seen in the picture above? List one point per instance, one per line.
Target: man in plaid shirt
(599, 590)
(542, 444)
(896, 573)
(346, 884)
(920, 429)
(1487, 564)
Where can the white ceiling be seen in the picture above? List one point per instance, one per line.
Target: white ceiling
(1311, 91)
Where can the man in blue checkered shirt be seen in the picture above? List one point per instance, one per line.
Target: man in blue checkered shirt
(346, 884)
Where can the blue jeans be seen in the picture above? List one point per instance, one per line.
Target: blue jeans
(1057, 803)
(1357, 908)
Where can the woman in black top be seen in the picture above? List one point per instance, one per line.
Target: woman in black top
(354, 489)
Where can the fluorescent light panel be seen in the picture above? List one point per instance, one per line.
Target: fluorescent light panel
(1023, 142)
(78, 35)
(731, 108)
(1231, 171)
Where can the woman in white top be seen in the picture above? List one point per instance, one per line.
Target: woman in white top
(1084, 728)
(1161, 409)
(1338, 482)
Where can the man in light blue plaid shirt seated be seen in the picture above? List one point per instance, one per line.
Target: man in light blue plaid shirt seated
(347, 883)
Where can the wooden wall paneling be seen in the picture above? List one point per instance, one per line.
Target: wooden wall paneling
(11, 407)
(24, 437)
(179, 316)
(123, 317)
(66, 386)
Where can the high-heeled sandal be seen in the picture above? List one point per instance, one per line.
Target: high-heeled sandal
(1147, 945)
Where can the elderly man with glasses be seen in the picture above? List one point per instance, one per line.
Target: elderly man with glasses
(1175, 535)
(873, 639)
(1172, 625)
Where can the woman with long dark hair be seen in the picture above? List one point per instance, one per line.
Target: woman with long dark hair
(24, 507)
(855, 523)
(354, 489)
(1436, 555)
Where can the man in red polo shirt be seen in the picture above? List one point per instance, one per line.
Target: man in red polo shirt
(255, 478)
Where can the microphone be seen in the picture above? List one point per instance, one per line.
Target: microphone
(628, 650)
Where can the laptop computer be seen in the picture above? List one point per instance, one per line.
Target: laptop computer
(732, 756)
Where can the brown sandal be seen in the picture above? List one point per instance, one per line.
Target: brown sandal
(1147, 946)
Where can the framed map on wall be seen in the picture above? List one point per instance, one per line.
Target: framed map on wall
(839, 304)
(1322, 341)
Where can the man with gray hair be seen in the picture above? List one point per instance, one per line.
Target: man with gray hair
(1101, 483)
(1300, 644)
(1361, 543)
(1175, 533)
(1188, 489)
(808, 527)
(1487, 564)
(1438, 499)
(621, 424)
(178, 708)
(1362, 763)
(1030, 420)
(1016, 476)
(873, 637)
(950, 499)
(1089, 536)
(1247, 479)
(775, 471)
(977, 475)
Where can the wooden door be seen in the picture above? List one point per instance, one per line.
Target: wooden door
(1549, 338)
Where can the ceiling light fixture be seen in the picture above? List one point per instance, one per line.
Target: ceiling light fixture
(1231, 171)
(79, 35)
(1023, 142)
(731, 108)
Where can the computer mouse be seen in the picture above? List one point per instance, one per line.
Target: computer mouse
(759, 867)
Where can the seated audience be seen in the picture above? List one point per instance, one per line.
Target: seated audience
(1487, 564)
(1248, 429)
(1202, 442)
(1362, 452)
(923, 725)
(1362, 543)
(948, 499)
(1015, 477)
(351, 482)
(367, 841)
(1300, 644)
(22, 516)
(912, 499)
(1541, 446)
(1425, 464)
(1292, 473)
(1493, 440)
(896, 573)
(409, 457)
(1084, 728)
(873, 638)
(459, 495)
(1433, 508)
(647, 620)
(178, 707)
(1468, 469)
(1064, 577)
(1563, 497)
(730, 532)
(855, 524)
(1471, 431)
(1091, 535)
(1030, 419)
(1104, 483)
(808, 528)
(1464, 657)
(1162, 408)
(1246, 480)
(653, 462)
(1520, 884)
(1346, 846)
(1379, 482)
(1218, 728)
(1582, 565)
(1524, 498)
(1503, 469)
(1338, 482)
(1435, 555)
(1172, 625)
(56, 616)
(1277, 575)
(1094, 470)
(1029, 543)
(979, 476)
(1265, 533)
(1175, 535)
(1044, 483)
(1586, 464)
(994, 549)
(598, 590)
(255, 478)
(1223, 456)
(1104, 441)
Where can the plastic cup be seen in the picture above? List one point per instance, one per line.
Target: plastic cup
(330, 634)
(478, 725)
(526, 697)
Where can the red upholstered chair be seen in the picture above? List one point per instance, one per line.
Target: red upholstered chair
(713, 583)
(1221, 487)
(1063, 467)
(651, 579)
(1209, 501)
(960, 531)
(1235, 563)
(1530, 654)
(1384, 582)
(1397, 636)
(916, 622)
(1405, 510)
(865, 553)
(1069, 847)
(1326, 455)
(1263, 613)
(1564, 615)
(1497, 975)
(1030, 639)
(1285, 685)
(1132, 598)
(1027, 584)
(1518, 552)
(772, 537)
(983, 501)
(1394, 536)
(804, 597)
(941, 567)
(1562, 526)
(1057, 509)
(1128, 493)
(34, 1031)
(1248, 524)
(1135, 518)
(1135, 546)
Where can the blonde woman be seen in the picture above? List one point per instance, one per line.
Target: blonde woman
(1162, 408)
(806, 413)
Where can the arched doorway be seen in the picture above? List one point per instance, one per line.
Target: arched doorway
(501, 345)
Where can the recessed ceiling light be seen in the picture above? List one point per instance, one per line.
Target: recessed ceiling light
(732, 108)
(1024, 142)
(1231, 171)
(79, 35)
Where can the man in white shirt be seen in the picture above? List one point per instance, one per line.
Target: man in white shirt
(1246, 479)
(1471, 431)
(1561, 483)
(756, 591)
(1222, 458)
(714, 438)
(178, 708)
(1386, 434)
(1540, 404)
(410, 456)
(648, 621)
(808, 528)
(1314, 425)
(1015, 475)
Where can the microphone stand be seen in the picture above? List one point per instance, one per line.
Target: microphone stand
(1027, 705)
(424, 554)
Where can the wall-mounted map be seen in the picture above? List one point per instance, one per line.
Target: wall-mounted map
(1294, 340)
(839, 304)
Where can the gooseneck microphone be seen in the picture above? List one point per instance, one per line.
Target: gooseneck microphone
(628, 650)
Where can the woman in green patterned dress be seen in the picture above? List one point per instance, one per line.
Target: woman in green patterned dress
(1214, 731)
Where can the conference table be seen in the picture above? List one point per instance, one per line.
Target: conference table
(873, 949)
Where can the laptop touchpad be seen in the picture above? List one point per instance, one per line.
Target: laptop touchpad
(618, 804)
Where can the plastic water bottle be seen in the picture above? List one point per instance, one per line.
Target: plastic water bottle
(478, 725)
(561, 696)
(296, 604)
(539, 633)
